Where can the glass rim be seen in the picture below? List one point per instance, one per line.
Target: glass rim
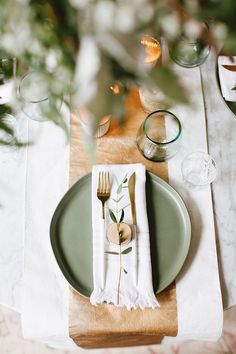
(203, 153)
(175, 118)
(151, 37)
(20, 90)
(190, 40)
(108, 119)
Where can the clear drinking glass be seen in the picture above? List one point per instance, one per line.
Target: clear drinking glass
(159, 136)
(190, 51)
(35, 96)
(7, 79)
(198, 170)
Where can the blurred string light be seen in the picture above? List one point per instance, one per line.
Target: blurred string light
(152, 49)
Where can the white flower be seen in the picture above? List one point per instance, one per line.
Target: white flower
(36, 47)
(23, 2)
(192, 29)
(125, 19)
(16, 42)
(145, 13)
(219, 31)
(104, 15)
(170, 25)
(51, 60)
(80, 4)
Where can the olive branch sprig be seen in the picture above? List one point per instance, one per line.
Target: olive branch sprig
(117, 217)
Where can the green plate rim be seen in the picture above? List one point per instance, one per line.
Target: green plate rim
(59, 256)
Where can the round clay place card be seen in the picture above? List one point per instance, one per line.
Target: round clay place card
(114, 230)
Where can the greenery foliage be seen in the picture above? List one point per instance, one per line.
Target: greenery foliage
(85, 46)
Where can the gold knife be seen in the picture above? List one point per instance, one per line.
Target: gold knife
(131, 186)
(229, 67)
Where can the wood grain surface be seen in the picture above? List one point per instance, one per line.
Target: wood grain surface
(106, 325)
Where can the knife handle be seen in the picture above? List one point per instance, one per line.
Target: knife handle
(103, 258)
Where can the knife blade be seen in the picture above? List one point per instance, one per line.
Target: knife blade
(229, 67)
(131, 187)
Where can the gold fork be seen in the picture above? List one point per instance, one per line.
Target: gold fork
(104, 189)
(103, 194)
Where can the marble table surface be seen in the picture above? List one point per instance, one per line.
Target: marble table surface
(221, 129)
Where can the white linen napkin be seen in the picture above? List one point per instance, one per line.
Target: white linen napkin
(132, 294)
(227, 78)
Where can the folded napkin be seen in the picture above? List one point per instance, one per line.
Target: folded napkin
(125, 291)
(227, 78)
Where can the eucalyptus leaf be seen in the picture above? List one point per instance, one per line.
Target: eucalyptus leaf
(59, 27)
(119, 189)
(112, 215)
(169, 83)
(127, 250)
(122, 215)
(125, 178)
(124, 270)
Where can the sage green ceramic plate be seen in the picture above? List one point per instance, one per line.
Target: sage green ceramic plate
(230, 105)
(71, 233)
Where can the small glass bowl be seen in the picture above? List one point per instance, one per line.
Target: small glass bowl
(87, 123)
(192, 51)
(158, 138)
(198, 170)
(35, 96)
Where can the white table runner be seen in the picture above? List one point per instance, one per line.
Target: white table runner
(45, 291)
(12, 219)
(200, 271)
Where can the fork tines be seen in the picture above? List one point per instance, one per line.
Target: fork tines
(104, 184)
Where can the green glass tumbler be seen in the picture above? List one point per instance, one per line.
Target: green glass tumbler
(159, 137)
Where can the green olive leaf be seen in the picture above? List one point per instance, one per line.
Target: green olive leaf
(109, 252)
(112, 215)
(127, 250)
(122, 215)
(125, 178)
(119, 189)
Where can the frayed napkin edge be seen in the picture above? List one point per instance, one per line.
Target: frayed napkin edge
(133, 300)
